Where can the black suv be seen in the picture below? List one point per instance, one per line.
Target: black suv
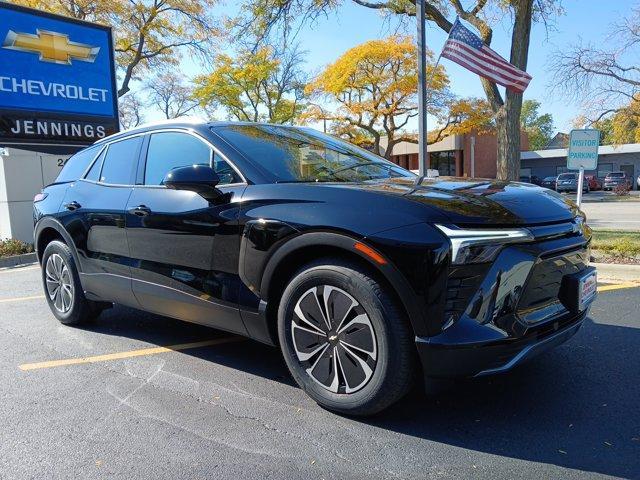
(361, 272)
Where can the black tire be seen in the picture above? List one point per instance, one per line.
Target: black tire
(391, 352)
(78, 310)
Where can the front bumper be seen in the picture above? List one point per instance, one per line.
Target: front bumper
(447, 358)
(521, 305)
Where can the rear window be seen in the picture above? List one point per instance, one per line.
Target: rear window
(549, 179)
(77, 165)
(120, 161)
(615, 175)
(567, 176)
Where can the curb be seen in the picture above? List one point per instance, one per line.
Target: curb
(17, 260)
(615, 271)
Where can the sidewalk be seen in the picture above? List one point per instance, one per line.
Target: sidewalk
(611, 271)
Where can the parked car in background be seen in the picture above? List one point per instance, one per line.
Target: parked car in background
(568, 182)
(615, 179)
(594, 182)
(531, 179)
(549, 182)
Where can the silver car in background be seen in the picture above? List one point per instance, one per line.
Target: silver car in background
(568, 182)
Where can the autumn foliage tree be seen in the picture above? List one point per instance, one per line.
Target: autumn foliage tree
(462, 116)
(263, 16)
(255, 86)
(374, 89)
(149, 34)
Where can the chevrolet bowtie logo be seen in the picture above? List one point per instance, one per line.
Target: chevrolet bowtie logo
(52, 47)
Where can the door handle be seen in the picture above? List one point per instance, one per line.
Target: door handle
(72, 206)
(140, 211)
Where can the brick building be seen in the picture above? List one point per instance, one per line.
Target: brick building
(452, 155)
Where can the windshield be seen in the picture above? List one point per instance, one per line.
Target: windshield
(303, 155)
(549, 179)
(567, 176)
(616, 175)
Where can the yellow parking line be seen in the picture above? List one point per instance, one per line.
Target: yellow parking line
(19, 269)
(618, 286)
(19, 299)
(128, 354)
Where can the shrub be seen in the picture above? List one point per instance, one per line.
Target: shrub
(621, 190)
(10, 247)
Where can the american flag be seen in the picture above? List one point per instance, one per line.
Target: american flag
(467, 49)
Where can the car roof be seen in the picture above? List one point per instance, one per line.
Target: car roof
(197, 123)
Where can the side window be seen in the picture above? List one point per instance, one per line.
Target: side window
(169, 150)
(120, 161)
(94, 172)
(76, 165)
(225, 171)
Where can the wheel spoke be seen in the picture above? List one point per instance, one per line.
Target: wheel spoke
(50, 269)
(324, 313)
(57, 261)
(323, 370)
(356, 371)
(57, 301)
(306, 352)
(54, 292)
(301, 316)
(338, 305)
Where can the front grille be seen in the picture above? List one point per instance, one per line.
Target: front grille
(462, 283)
(539, 299)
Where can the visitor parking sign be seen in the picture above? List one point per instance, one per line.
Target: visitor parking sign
(583, 149)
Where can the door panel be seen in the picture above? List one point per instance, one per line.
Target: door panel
(185, 254)
(94, 216)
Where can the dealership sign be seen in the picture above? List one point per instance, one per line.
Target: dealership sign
(583, 149)
(57, 81)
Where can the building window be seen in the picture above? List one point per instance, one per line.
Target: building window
(604, 168)
(444, 162)
(561, 169)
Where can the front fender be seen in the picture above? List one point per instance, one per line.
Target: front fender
(411, 300)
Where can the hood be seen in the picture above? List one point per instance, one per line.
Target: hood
(479, 202)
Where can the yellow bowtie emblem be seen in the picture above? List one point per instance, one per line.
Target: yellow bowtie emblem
(51, 46)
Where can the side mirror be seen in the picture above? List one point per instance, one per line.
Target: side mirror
(201, 179)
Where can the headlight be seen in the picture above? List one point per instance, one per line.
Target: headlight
(479, 245)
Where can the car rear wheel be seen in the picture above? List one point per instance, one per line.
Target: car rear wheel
(344, 339)
(62, 287)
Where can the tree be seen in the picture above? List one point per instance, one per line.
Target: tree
(130, 111)
(264, 15)
(374, 86)
(148, 33)
(621, 127)
(538, 127)
(255, 86)
(169, 94)
(464, 116)
(606, 74)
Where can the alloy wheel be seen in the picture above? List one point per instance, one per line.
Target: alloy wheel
(334, 339)
(59, 283)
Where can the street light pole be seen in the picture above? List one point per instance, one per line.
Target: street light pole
(422, 88)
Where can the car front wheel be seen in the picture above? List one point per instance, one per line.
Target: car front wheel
(345, 340)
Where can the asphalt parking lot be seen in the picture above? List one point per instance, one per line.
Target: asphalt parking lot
(107, 401)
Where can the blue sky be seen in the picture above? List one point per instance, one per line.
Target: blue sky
(329, 37)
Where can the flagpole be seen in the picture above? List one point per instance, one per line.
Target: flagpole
(422, 88)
